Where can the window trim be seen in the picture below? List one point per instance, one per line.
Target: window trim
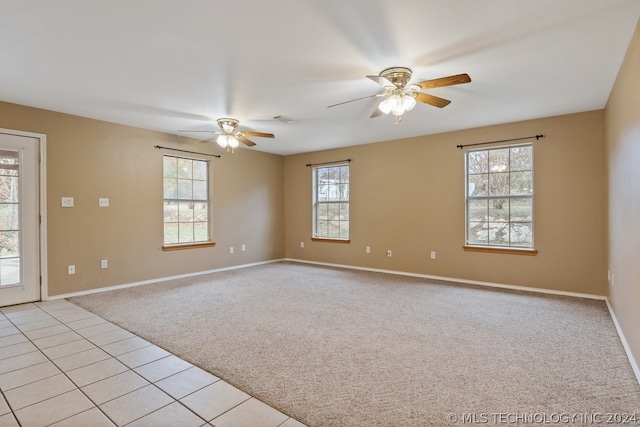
(314, 236)
(201, 243)
(513, 250)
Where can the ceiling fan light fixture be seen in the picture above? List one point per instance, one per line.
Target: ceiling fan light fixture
(232, 141)
(408, 102)
(225, 140)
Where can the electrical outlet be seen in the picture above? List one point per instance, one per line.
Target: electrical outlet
(302, 244)
(231, 250)
(71, 269)
(389, 253)
(367, 249)
(103, 202)
(104, 263)
(244, 248)
(433, 254)
(66, 202)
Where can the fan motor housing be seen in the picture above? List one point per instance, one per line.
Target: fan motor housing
(399, 76)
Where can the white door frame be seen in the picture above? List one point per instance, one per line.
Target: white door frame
(42, 168)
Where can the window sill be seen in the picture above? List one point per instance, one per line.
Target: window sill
(501, 250)
(181, 246)
(329, 239)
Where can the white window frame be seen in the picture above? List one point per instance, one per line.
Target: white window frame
(320, 200)
(201, 198)
(509, 245)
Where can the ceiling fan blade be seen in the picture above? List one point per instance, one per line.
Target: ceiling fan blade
(382, 81)
(245, 141)
(376, 113)
(357, 99)
(260, 134)
(432, 100)
(212, 139)
(445, 81)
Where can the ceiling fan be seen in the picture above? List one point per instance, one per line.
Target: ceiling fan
(400, 96)
(229, 137)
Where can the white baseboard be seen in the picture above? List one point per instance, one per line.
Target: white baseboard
(454, 279)
(160, 279)
(625, 344)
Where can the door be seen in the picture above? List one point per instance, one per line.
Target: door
(19, 219)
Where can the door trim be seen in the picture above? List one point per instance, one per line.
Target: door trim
(42, 171)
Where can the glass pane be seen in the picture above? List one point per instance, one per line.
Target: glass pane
(170, 188)
(521, 183)
(499, 233)
(185, 212)
(522, 234)
(9, 216)
(478, 233)
(200, 170)
(344, 174)
(9, 243)
(521, 158)
(344, 211)
(170, 211)
(479, 185)
(200, 231)
(478, 210)
(185, 233)
(322, 211)
(322, 176)
(499, 160)
(333, 228)
(9, 271)
(333, 211)
(499, 210)
(477, 162)
(170, 167)
(344, 229)
(200, 190)
(323, 192)
(201, 212)
(170, 233)
(9, 189)
(499, 184)
(185, 168)
(521, 210)
(321, 228)
(185, 189)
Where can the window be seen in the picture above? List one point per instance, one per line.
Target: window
(499, 198)
(331, 202)
(186, 201)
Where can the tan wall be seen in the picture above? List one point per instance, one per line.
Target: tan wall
(408, 196)
(88, 159)
(622, 123)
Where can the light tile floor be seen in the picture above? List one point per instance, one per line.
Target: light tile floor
(63, 366)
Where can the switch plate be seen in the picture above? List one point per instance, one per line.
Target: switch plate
(231, 250)
(104, 263)
(302, 244)
(71, 269)
(103, 202)
(244, 248)
(367, 249)
(67, 202)
(433, 254)
(389, 253)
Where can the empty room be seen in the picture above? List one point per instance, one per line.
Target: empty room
(314, 213)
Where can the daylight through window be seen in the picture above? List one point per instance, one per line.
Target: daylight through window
(499, 198)
(186, 200)
(331, 202)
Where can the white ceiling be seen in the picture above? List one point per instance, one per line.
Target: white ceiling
(180, 64)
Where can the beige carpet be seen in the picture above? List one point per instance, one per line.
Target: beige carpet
(345, 348)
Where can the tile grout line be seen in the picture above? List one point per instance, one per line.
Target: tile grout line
(38, 349)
